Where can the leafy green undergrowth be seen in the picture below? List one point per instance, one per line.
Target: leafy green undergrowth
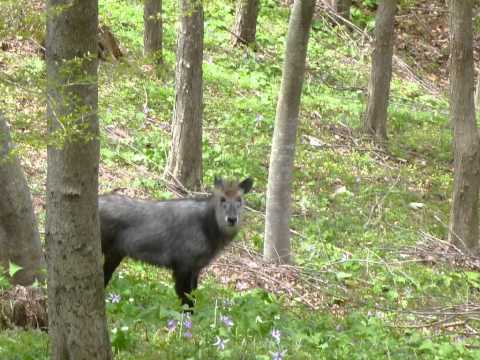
(23, 345)
(352, 212)
(146, 323)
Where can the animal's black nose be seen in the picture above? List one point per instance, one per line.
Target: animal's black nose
(232, 220)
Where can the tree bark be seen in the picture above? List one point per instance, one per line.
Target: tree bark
(342, 7)
(76, 305)
(277, 233)
(464, 212)
(152, 35)
(477, 95)
(245, 27)
(185, 158)
(19, 236)
(375, 123)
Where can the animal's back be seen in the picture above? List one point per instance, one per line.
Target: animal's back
(165, 233)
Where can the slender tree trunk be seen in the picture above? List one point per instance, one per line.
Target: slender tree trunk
(185, 158)
(342, 7)
(477, 95)
(19, 236)
(76, 302)
(375, 122)
(277, 233)
(152, 35)
(245, 27)
(464, 214)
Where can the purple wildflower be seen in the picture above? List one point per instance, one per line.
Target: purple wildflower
(220, 343)
(171, 325)
(114, 298)
(226, 320)
(188, 334)
(187, 323)
(276, 335)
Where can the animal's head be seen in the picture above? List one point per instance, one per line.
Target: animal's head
(228, 200)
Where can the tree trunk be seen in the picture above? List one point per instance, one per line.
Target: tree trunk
(277, 233)
(76, 305)
(477, 95)
(342, 7)
(19, 236)
(185, 158)
(245, 26)
(152, 35)
(464, 214)
(375, 122)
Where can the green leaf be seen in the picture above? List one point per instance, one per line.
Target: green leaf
(427, 345)
(343, 275)
(473, 279)
(472, 276)
(13, 268)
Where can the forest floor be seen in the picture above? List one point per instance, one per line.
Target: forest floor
(373, 276)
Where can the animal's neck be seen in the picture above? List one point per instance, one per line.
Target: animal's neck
(219, 235)
(225, 239)
(229, 232)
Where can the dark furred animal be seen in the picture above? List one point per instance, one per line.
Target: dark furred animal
(182, 235)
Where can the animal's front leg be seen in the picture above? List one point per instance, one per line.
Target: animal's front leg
(184, 284)
(112, 260)
(194, 278)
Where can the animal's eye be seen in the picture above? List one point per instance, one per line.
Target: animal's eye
(222, 199)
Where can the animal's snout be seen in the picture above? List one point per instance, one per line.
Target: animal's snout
(231, 220)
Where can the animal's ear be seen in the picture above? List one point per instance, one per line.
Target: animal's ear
(246, 185)
(218, 183)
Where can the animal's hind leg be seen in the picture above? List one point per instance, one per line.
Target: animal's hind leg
(112, 260)
(185, 282)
